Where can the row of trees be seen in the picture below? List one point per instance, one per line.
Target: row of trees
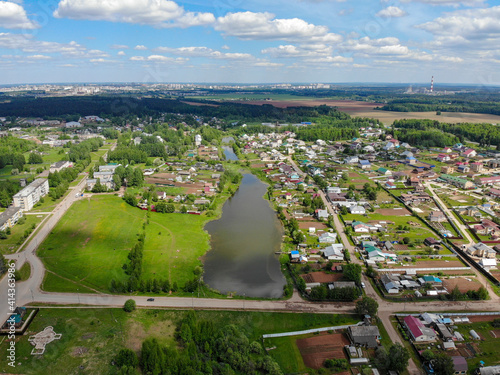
(323, 293)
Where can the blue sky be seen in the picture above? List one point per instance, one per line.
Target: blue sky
(250, 41)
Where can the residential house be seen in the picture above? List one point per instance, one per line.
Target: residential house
(481, 250)
(161, 194)
(368, 336)
(364, 164)
(60, 165)
(491, 180)
(437, 216)
(459, 365)
(357, 210)
(390, 185)
(443, 158)
(431, 241)
(432, 280)
(477, 166)
(360, 227)
(418, 331)
(458, 182)
(73, 124)
(321, 214)
(391, 284)
(384, 172)
(469, 153)
(334, 252)
(494, 163)
(494, 193)
(488, 263)
(413, 181)
(327, 237)
(415, 198)
(351, 160)
(463, 168)
(389, 146)
(448, 169)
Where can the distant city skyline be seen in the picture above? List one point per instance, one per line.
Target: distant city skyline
(245, 42)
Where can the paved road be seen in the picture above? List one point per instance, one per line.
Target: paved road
(25, 291)
(448, 213)
(463, 229)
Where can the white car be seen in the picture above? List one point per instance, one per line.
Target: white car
(363, 284)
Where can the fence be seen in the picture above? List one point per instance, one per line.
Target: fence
(314, 330)
(423, 269)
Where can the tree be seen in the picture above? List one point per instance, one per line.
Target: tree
(406, 240)
(443, 365)
(4, 265)
(35, 158)
(398, 357)
(170, 208)
(428, 355)
(126, 357)
(352, 272)
(129, 305)
(367, 306)
(130, 199)
(381, 359)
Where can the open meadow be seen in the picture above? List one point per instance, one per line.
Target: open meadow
(91, 243)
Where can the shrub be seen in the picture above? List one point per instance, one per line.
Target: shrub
(129, 305)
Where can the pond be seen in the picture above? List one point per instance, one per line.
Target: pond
(243, 242)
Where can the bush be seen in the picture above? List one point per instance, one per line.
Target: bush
(129, 305)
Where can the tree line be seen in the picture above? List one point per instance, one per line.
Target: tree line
(448, 134)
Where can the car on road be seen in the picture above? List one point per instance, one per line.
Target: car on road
(363, 284)
(151, 299)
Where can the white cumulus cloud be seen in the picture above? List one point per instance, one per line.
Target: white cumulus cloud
(262, 26)
(158, 13)
(454, 3)
(13, 16)
(391, 12)
(204, 52)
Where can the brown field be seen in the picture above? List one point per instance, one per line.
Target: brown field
(321, 277)
(315, 350)
(200, 104)
(313, 224)
(392, 212)
(482, 318)
(366, 109)
(431, 264)
(463, 284)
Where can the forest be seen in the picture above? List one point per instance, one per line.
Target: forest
(422, 132)
(487, 103)
(203, 348)
(110, 107)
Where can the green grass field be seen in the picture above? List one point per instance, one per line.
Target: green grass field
(12, 242)
(92, 337)
(91, 242)
(416, 232)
